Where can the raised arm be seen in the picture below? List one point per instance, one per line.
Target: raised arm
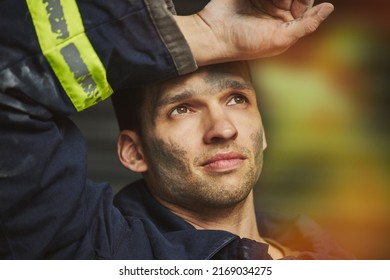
(228, 30)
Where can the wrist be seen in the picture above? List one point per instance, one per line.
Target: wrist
(204, 45)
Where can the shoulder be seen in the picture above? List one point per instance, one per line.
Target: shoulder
(302, 237)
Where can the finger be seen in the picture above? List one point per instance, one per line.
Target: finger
(310, 21)
(283, 4)
(270, 8)
(299, 7)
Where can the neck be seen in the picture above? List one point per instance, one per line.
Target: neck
(239, 219)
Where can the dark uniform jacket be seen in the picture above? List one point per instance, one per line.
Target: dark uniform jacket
(58, 57)
(163, 235)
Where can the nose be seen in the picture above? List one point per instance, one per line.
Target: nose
(219, 127)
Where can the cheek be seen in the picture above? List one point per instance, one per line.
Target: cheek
(170, 156)
(183, 135)
(249, 125)
(251, 132)
(257, 143)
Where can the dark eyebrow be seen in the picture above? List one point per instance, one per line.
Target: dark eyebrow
(177, 98)
(222, 84)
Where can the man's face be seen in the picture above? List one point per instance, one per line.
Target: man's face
(203, 138)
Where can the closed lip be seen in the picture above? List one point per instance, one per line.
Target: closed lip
(221, 157)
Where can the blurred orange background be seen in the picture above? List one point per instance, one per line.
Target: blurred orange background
(325, 106)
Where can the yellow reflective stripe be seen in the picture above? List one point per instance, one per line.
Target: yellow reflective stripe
(65, 45)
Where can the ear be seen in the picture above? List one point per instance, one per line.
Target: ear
(130, 151)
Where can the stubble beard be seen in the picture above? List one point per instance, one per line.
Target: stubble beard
(174, 181)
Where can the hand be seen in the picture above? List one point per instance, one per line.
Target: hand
(227, 30)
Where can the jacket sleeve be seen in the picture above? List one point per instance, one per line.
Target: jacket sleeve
(81, 51)
(58, 57)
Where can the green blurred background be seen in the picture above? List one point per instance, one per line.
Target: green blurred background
(324, 105)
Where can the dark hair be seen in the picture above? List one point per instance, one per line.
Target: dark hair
(127, 105)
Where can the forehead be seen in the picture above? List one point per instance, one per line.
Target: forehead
(211, 76)
(206, 80)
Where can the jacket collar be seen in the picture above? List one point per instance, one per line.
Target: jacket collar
(169, 233)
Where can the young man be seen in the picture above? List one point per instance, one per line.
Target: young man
(59, 57)
(198, 140)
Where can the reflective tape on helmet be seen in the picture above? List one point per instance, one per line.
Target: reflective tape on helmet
(65, 45)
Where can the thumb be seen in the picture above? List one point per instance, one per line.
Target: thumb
(310, 21)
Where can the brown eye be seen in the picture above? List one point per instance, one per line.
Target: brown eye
(237, 99)
(180, 110)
